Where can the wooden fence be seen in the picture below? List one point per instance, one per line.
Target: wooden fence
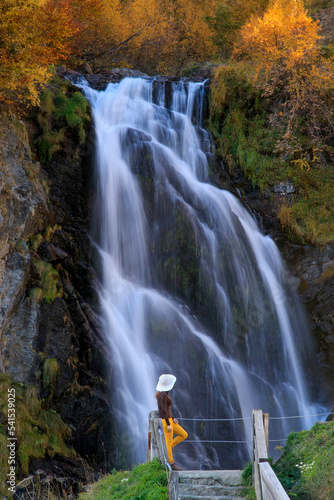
(265, 481)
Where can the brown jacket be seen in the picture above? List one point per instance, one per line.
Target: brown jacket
(164, 405)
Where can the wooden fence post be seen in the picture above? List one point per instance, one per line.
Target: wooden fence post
(156, 438)
(260, 453)
(266, 429)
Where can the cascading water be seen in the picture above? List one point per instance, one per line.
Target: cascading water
(190, 285)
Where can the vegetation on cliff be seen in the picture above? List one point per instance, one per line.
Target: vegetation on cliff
(39, 431)
(306, 467)
(272, 94)
(272, 113)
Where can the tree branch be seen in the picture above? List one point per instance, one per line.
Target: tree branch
(119, 45)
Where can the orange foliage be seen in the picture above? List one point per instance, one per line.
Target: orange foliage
(99, 23)
(284, 44)
(154, 35)
(33, 35)
(285, 34)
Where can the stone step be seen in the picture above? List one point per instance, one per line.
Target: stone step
(207, 490)
(210, 485)
(211, 477)
(195, 497)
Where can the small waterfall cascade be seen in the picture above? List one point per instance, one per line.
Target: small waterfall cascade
(190, 285)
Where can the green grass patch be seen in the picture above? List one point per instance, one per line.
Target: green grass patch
(147, 481)
(306, 467)
(38, 431)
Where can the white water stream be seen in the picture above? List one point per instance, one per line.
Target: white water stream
(243, 344)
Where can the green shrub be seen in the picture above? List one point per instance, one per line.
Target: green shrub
(247, 474)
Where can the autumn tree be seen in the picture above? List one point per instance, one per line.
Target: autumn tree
(229, 16)
(153, 35)
(33, 35)
(101, 28)
(284, 44)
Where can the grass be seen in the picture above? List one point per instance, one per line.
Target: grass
(38, 431)
(306, 467)
(240, 123)
(147, 481)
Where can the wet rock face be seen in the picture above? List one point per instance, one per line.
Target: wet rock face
(68, 328)
(314, 268)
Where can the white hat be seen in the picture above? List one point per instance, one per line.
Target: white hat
(166, 382)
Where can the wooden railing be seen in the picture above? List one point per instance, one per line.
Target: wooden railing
(156, 439)
(265, 481)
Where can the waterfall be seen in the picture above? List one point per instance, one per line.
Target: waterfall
(190, 285)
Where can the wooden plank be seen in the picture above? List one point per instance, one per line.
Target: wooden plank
(266, 429)
(150, 448)
(159, 439)
(256, 473)
(271, 487)
(173, 485)
(261, 453)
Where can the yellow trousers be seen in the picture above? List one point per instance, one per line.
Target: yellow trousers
(170, 442)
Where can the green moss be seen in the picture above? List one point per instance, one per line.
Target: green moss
(49, 278)
(35, 242)
(36, 294)
(38, 431)
(50, 231)
(147, 481)
(50, 374)
(306, 467)
(62, 111)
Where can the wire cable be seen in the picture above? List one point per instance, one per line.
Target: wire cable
(215, 419)
(213, 441)
(249, 418)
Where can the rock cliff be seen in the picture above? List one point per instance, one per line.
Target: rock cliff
(50, 337)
